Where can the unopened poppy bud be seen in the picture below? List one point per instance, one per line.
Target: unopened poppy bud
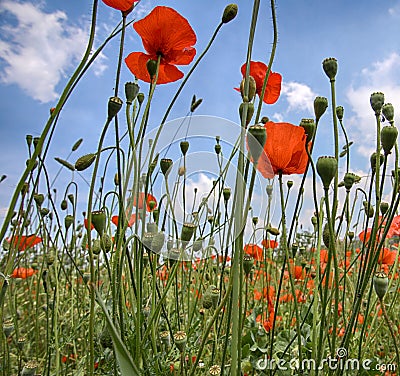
(99, 221)
(388, 112)
(184, 145)
(340, 112)
(39, 198)
(326, 235)
(181, 171)
(373, 160)
(369, 209)
(71, 198)
(140, 98)
(226, 192)
(264, 119)
(327, 168)
(257, 136)
(255, 221)
(314, 220)
(29, 139)
(68, 221)
(195, 104)
(44, 211)
(273, 231)
(187, 231)
(250, 111)
(114, 105)
(377, 100)
(230, 13)
(131, 91)
(384, 206)
(96, 247)
(330, 67)
(380, 282)
(65, 163)
(309, 127)
(217, 149)
(289, 184)
(248, 262)
(180, 339)
(388, 138)
(77, 144)
(269, 189)
(85, 161)
(64, 205)
(166, 165)
(207, 300)
(320, 106)
(252, 89)
(151, 66)
(105, 242)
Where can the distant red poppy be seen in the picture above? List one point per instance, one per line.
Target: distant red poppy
(165, 34)
(269, 243)
(85, 222)
(131, 222)
(284, 150)
(387, 257)
(24, 242)
(148, 200)
(122, 5)
(258, 70)
(255, 251)
(23, 273)
(394, 229)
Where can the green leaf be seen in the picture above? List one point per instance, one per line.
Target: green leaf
(124, 359)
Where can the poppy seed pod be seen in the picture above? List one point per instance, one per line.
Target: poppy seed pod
(320, 106)
(157, 242)
(131, 91)
(388, 112)
(215, 370)
(289, 184)
(273, 231)
(384, 206)
(377, 100)
(327, 168)
(106, 242)
(215, 294)
(64, 205)
(226, 193)
(248, 262)
(151, 66)
(250, 111)
(252, 89)
(217, 149)
(326, 235)
(339, 112)
(349, 179)
(257, 135)
(207, 300)
(180, 339)
(373, 160)
(380, 282)
(165, 338)
(330, 67)
(197, 244)
(230, 13)
(114, 105)
(99, 221)
(184, 145)
(187, 231)
(309, 128)
(140, 98)
(166, 165)
(29, 139)
(39, 198)
(388, 138)
(350, 234)
(269, 189)
(68, 221)
(29, 368)
(85, 161)
(8, 327)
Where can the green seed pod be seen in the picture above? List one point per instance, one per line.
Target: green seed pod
(273, 231)
(320, 106)
(248, 262)
(147, 239)
(165, 338)
(21, 343)
(388, 112)
(114, 105)
(39, 198)
(96, 247)
(187, 231)
(8, 327)
(326, 168)
(289, 184)
(269, 190)
(157, 242)
(252, 89)
(151, 66)
(65, 163)
(99, 221)
(384, 206)
(106, 242)
(207, 300)
(68, 221)
(339, 112)
(44, 211)
(131, 91)
(226, 192)
(77, 144)
(197, 244)
(184, 145)
(29, 368)
(309, 128)
(373, 160)
(180, 339)
(156, 214)
(217, 149)
(326, 235)
(388, 138)
(377, 100)
(350, 234)
(330, 67)
(140, 98)
(230, 13)
(85, 161)
(380, 282)
(349, 179)
(152, 227)
(215, 294)
(250, 111)
(166, 165)
(256, 138)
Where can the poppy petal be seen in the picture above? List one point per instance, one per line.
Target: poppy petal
(122, 5)
(273, 89)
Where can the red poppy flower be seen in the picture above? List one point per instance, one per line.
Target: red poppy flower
(258, 70)
(284, 150)
(166, 34)
(148, 200)
(24, 242)
(387, 257)
(269, 243)
(394, 229)
(85, 222)
(131, 222)
(254, 250)
(23, 273)
(122, 5)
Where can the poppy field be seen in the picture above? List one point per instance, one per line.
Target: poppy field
(140, 274)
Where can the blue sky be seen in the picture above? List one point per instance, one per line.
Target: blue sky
(41, 43)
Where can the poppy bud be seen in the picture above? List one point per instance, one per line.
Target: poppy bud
(320, 106)
(257, 135)
(377, 99)
(230, 13)
(99, 221)
(195, 103)
(369, 209)
(327, 168)
(166, 165)
(96, 247)
(151, 66)
(64, 205)
(309, 128)
(29, 139)
(39, 198)
(289, 184)
(339, 112)
(388, 112)
(44, 211)
(264, 119)
(252, 89)
(131, 91)
(187, 231)
(350, 234)
(384, 206)
(156, 214)
(35, 141)
(388, 138)
(250, 111)
(373, 160)
(207, 300)
(248, 262)
(85, 161)
(65, 163)
(380, 282)
(217, 149)
(226, 193)
(140, 98)
(105, 242)
(114, 105)
(29, 368)
(77, 144)
(68, 221)
(330, 67)
(184, 147)
(273, 231)
(255, 221)
(180, 339)
(326, 235)
(269, 189)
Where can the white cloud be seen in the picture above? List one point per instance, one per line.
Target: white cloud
(37, 48)
(394, 11)
(299, 96)
(382, 76)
